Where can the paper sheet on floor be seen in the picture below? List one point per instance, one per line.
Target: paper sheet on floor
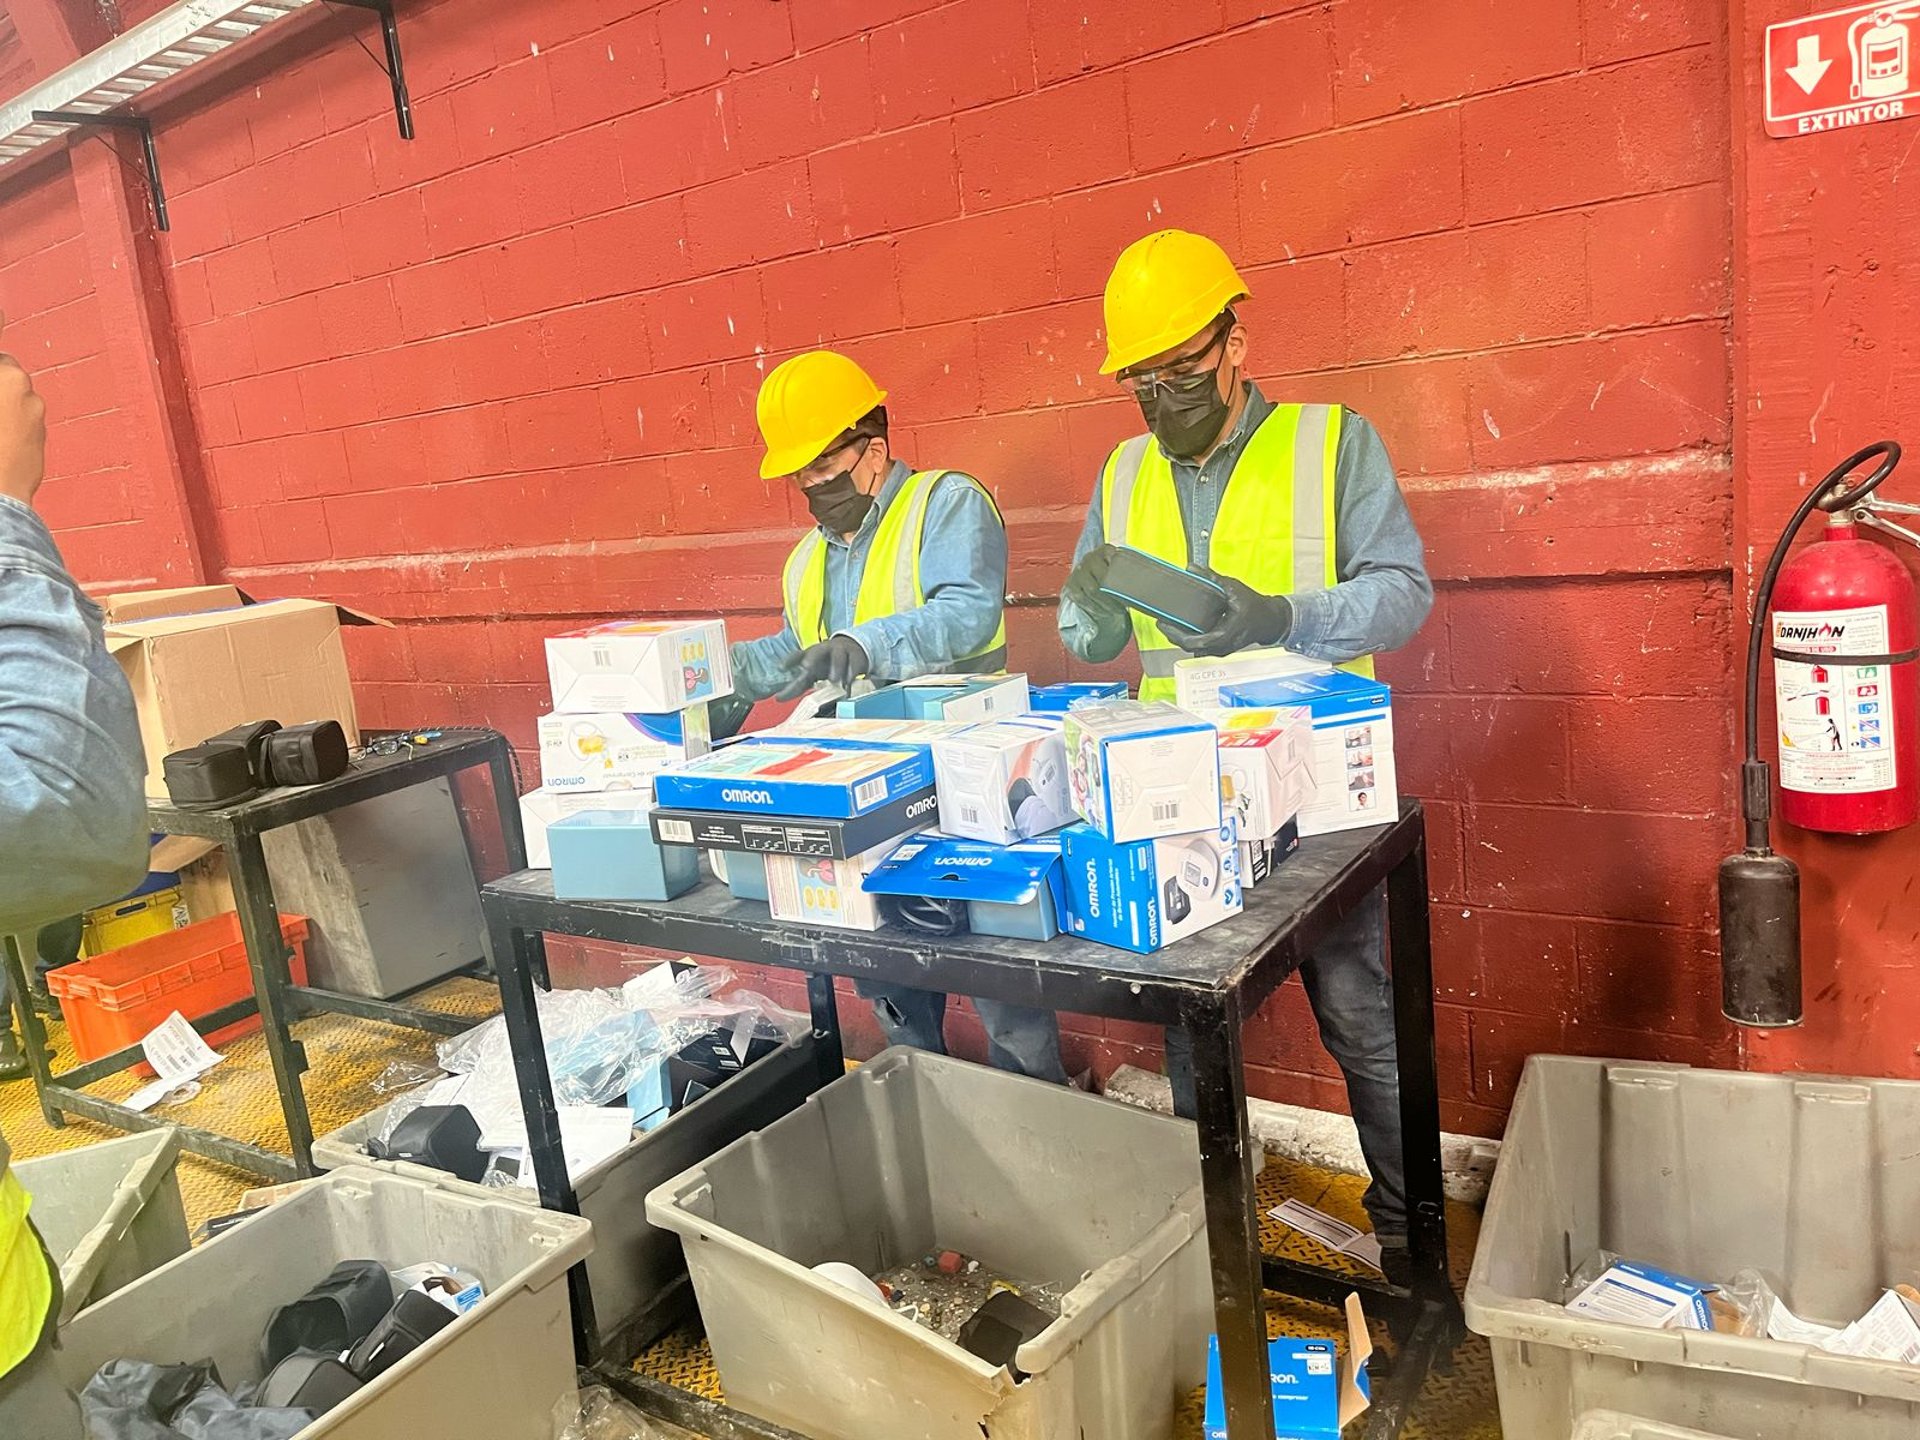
(1337, 1235)
(178, 1055)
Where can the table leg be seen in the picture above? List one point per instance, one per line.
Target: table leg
(1233, 1228)
(512, 834)
(1410, 949)
(827, 1049)
(33, 1034)
(267, 955)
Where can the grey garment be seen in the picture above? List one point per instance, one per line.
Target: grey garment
(1352, 997)
(132, 1400)
(1020, 1038)
(1383, 595)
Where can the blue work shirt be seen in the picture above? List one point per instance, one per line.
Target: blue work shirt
(1383, 594)
(963, 573)
(73, 815)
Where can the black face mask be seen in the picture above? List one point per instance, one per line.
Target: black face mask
(1188, 414)
(838, 504)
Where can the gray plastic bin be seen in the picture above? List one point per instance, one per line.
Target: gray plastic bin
(1814, 1182)
(915, 1151)
(497, 1373)
(638, 1274)
(1612, 1425)
(109, 1212)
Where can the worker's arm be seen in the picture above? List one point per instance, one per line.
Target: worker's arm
(1094, 627)
(763, 667)
(963, 574)
(1383, 594)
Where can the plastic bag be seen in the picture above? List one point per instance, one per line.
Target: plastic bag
(405, 1075)
(443, 1090)
(598, 1414)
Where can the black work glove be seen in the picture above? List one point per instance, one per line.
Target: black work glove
(1083, 585)
(1252, 620)
(840, 660)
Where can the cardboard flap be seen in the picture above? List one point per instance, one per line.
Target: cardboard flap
(176, 852)
(1355, 1392)
(947, 868)
(351, 616)
(132, 605)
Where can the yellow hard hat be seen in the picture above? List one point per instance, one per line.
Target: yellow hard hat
(1164, 290)
(806, 404)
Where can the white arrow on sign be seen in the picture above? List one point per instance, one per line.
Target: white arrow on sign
(1807, 72)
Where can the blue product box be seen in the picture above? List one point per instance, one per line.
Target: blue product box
(1018, 891)
(1058, 699)
(745, 872)
(1142, 895)
(1316, 1390)
(612, 855)
(1328, 695)
(820, 778)
(941, 697)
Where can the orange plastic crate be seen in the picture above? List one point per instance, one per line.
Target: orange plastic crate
(115, 1000)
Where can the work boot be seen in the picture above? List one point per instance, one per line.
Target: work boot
(13, 1059)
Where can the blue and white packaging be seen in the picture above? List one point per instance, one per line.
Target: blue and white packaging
(612, 855)
(1142, 895)
(1058, 699)
(829, 779)
(1140, 769)
(1197, 678)
(1259, 858)
(1633, 1294)
(1004, 781)
(541, 808)
(819, 890)
(1318, 1389)
(1354, 784)
(941, 697)
(1013, 890)
(591, 753)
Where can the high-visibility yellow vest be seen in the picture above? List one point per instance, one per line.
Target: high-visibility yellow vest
(891, 581)
(26, 1287)
(1276, 526)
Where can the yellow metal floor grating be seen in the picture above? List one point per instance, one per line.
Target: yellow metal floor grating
(347, 1057)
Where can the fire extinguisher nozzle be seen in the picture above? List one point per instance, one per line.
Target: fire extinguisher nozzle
(1760, 939)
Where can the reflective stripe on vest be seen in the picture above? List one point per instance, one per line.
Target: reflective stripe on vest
(891, 582)
(26, 1288)
(1275, 529)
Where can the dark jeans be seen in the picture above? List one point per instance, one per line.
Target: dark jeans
(1352, 998)
(1023, 1040)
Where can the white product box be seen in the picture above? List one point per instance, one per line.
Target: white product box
(618, 752)
(639, 667)
(1003, 782)
(1198, 678)
(1633, 1294)
(1266, 774)
(1354, 784)
(540, 808)
(1141, 769)
(942, 697)
(819, 890)
(1143, 895)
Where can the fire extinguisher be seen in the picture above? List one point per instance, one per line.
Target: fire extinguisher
(1844, 631)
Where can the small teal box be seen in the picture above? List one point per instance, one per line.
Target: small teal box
(611, 855)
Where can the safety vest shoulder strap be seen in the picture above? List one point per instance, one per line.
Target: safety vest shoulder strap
(803, 588)
(1118, 483)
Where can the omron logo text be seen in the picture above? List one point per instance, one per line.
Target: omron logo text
(970, 860)
(921, 807)
(737, 796)
(1093, 892)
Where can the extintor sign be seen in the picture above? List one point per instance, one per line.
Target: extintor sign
(1856, 66)
(1836, 719)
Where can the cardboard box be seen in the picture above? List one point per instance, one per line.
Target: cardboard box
(835, 779)
(1058, 699)
(825, 891)
(197, 672)
(1014, 890)
(1260, 858)
(794, 835)
(1198, 678)
(639, 667)
(1005, 781)
(612, 855)
(1141, 769)
(132, 605)
(1266, 775)
(941, 697)
(1317, 1389)
(1143, 895)
(1633, 1294)
(618, 752)
(1354, 783)
(874, 732)
(542, 808)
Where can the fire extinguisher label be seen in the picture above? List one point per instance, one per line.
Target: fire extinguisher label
(1836, 719)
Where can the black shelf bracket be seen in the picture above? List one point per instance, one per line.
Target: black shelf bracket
(138, 124)
(394, 66)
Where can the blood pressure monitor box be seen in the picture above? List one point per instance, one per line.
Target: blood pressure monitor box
(1266, 771)
(639, 667)
(1003, 782)
(827, 778)
(1145, 894)
(942, 697)
(1198, 678)
(618, 752)
(818, 890)
(1139, 769)
(1354, 784)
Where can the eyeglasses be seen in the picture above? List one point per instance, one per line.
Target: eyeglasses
(1188, 375)
(828, 465)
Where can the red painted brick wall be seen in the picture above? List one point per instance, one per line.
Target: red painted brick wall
(500, 380)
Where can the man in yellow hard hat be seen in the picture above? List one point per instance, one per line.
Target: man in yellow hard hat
(1295, 511)
(903, 574)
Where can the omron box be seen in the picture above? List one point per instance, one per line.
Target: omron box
(612, 855)
(1003, 782)
(1139, 769)
(777, 835)
(1012, 890)
(1266, 774)
(825, 891)
(879, 732)
(1317, 1390)
(1058, 699)
(639, 667)
(618, 752)
(1353, 777)
(1198, 678)
(1145, 894)
(812, 778)
(1260, 858)
(942, 697)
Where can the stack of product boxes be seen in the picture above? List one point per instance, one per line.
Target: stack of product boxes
(629, 700)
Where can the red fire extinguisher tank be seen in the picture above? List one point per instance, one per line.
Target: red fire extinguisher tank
(1846, 647)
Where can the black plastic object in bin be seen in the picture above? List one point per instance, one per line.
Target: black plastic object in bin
(333, 1316)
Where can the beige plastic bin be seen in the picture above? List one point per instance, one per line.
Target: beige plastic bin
(109, 1212)
(1612, 1425)
(495, 1375)
(913, 1151)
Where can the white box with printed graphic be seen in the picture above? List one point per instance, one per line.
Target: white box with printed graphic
(1003, 782)
(618, 751)
(639, 667)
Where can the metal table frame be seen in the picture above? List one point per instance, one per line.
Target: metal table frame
(1210, 984)
(276, 999)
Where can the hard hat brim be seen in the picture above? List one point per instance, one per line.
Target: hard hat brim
(1181, 326)
(788, 459)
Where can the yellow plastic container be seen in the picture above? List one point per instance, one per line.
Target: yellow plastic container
(140, 918)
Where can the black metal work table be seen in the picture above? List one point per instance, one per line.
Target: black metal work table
(276, 999)
(1210, 984)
